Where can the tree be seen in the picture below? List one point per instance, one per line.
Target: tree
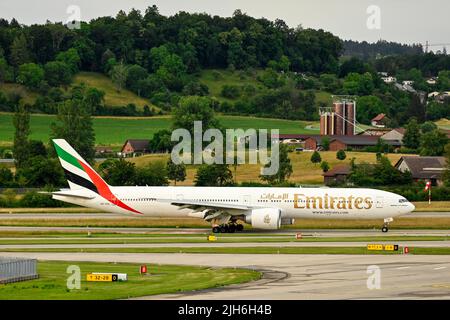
(192, 109)
(40, 171)
(383, 173)
(354, 64)
(368, 108)
(6, 177)
(119, 74)
(118, 172)
(75, 125)
(341, 155)
(161, 141)
(315, 157)
(21, 121)
(432, 143)
(271, 79)
(284, 169)
(213, 175)
(428, 126)
(411, 139)
(443, 82)
(172, 72)
(324, 166)
(446, 175)
(235, 53)
(326, 143)
(30, 75)
(70, 58)
(57, 73)
(135, 74)
(93, 99)
(36, 148)
(230, 91)
(6, 72)
(176, 172)
(329, 82)
(153, 174)
(195, 88)
(416, 108)
(20, 53)
(359, 84)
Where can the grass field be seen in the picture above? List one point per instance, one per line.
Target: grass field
(247, 250)
(444, 124)
(51, 284)
(238, 238)
(142, 222)
(304, 171)
(115, 130)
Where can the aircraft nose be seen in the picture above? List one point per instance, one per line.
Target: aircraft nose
(411, 207)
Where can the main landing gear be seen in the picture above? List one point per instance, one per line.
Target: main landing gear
(385, 227)
(228, 228)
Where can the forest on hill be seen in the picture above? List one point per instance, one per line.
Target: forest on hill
(244, 65)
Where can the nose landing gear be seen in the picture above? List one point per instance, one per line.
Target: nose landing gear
(385, 227)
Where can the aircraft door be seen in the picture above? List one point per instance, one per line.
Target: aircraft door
(380, 202)
(180, 196)
(246, 200)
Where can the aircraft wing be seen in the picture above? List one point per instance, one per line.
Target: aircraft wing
(211, 210)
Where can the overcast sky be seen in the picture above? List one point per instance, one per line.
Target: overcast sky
(405, 21)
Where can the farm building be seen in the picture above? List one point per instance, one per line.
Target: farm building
(135, 147)
(423, 168)
(338, 174)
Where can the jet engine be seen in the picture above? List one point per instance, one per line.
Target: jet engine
(266, 218)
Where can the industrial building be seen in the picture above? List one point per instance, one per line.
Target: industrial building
(340, 119)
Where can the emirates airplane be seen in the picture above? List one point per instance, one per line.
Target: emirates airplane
(263, 208)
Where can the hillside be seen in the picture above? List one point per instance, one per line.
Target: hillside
(304, 172)
(112, 96)
(215, 79)
(114, 131)
(27, 95)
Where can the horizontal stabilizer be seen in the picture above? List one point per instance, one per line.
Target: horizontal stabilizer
(71, 194)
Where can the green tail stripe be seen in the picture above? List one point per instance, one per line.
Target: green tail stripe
(63, 154)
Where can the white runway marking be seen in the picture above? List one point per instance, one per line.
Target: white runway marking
(401, 268)
(440, 268)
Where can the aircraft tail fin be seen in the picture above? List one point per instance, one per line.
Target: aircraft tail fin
(81, 175)
(78, 172)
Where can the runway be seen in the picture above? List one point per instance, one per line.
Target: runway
(300, 276)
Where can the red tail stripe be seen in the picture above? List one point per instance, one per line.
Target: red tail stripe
(104, 190)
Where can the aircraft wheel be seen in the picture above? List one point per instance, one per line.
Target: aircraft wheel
(231, 228)
(216, 229)
(223, 229)
(239, 227)
(384, 229)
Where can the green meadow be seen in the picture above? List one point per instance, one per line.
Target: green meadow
(114, 131)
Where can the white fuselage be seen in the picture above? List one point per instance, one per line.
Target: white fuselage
(339, 203)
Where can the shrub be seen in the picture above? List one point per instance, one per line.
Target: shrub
(37, 200)
(230, 91)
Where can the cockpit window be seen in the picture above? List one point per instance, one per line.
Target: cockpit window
(402, 200)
